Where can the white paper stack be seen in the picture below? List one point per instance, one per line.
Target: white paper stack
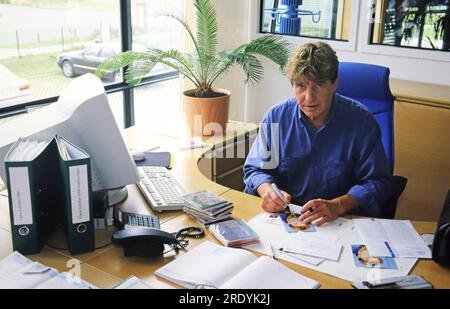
(340, 231)
(314, 246)
(18, 272)
(132, 282)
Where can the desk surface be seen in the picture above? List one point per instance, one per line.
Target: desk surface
(106, 267)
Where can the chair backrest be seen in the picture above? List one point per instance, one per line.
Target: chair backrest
(369, 85)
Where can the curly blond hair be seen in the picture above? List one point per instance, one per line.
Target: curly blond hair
(313, 61)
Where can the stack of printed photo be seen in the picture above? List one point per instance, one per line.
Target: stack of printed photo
(207, 208)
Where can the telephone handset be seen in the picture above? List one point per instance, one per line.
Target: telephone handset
(143, 242)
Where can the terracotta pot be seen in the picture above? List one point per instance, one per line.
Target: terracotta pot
(207, 116)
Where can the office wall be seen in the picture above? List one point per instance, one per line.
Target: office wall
(238, 22)
(232, 16)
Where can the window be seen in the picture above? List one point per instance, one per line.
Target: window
(107, 52)
(423, 24)
(92, 52)
(66, 38)
(156, 106)
(327, 19)
(59, 40)
(156, 102)
(151, 29)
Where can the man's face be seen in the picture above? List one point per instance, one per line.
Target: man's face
(315, 99)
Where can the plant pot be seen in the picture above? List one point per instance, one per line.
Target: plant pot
(207, 116)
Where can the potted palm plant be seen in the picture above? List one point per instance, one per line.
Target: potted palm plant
(202, 67)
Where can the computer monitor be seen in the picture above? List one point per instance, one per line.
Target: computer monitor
(83, 116)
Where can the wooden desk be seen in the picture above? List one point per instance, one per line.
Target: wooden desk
(248, 206)
(106, 267)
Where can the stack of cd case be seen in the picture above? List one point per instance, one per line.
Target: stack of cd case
(234, 233)
(207, 208)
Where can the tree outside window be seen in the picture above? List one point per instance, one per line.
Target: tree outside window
(421, 24)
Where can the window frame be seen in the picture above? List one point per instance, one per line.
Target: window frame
(127, 89)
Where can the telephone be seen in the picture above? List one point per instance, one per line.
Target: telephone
(143, 242)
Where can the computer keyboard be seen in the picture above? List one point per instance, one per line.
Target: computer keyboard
(161, 190)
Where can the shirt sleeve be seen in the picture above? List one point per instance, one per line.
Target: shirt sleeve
(262, 160)
(373, 178)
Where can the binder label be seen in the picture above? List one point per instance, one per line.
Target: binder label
(20, 195)
(79, 193)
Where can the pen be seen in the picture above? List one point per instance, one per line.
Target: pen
(278, 193)
(269, 246)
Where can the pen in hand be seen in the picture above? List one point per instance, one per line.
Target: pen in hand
(280, 195)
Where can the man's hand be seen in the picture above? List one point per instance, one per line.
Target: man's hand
(270, 201)
(327, 210)
(324, 210)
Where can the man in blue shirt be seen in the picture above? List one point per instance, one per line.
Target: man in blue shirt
(322, 150)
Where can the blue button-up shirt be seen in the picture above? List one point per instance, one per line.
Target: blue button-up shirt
(344, 156)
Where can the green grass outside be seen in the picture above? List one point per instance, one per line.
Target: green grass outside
(32, 65)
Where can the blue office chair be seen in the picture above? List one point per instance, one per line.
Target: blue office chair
(369, 85)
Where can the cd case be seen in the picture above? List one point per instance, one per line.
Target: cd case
(233, 233)
(205, 200)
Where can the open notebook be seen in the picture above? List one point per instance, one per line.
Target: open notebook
(214, 266)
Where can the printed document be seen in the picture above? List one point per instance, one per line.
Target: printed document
(270, 229)
(395, 238)
(313, 246)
